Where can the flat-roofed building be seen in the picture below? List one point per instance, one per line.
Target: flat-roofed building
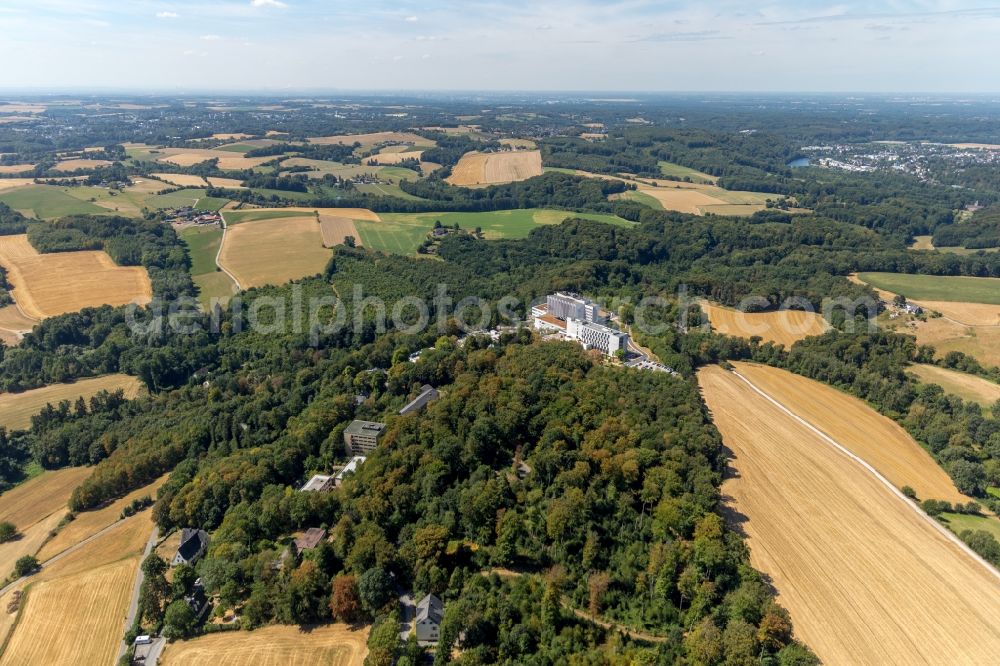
(572, 306)
(361, 437)
(319, 483)
(349, 469)
(596, 336)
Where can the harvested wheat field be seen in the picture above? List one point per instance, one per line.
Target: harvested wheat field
(11, 183)
(966, 386)
(375, 138)
(123, 540)
(331, 645)
(28, 543)
(273, 251)
(67, 166)
(230, 183)
(73, 620)
(16, 168)
(33, 500)
(180, 179)
(335, 229)
(496, 168)
(228, 160)
(682, 199)
(146, 186)
(16, 409)
(867, 577)
(783, 327)
(388, 159)
(13, 325)
(880, 441)
(88, 523)
(46, 285)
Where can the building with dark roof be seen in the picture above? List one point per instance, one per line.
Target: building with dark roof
(194, 543)
(427, 394)
(310, 539)
(430, 614)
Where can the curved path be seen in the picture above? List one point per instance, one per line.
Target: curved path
(222, 243)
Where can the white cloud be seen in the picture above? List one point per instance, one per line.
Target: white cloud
(167, 15)
(268, 3)
(211, 38)
(411, 19)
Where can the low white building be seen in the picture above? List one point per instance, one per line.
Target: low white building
(349, 469)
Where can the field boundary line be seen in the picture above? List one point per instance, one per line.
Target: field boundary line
(218, 253)
(944, 531)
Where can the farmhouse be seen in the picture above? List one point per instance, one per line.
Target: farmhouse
(319, 483)
(427, 394)
(350, 469)
(194, 543)
(430, 613)
(312, 538)
(361, 437)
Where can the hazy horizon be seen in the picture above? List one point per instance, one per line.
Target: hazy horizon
(632, 46)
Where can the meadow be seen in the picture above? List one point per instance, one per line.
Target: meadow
(682, 172)
(857, 565)
(203, 246)
(402, 233)
(47, 202)
(16, 409)
(937, 287)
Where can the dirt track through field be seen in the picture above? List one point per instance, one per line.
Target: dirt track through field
(867, 577)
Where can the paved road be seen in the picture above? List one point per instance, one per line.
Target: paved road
(133, 605)
(69, 551)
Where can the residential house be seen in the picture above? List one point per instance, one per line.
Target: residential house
(194, 543)
(310, 539)
(427, 394)
(430, 614)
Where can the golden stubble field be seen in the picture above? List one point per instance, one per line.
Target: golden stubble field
(965, 386)
(46, 285)
(496, 168)
(67, 166)
(331, 645)
(335, 229)
(867, 577)
(372, 139)
(181, 179)
(784, 327)
(16, 409)
(78, 619)
(274, 251)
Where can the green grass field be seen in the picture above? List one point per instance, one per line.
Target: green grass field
(47, 202)
(937, 288)
(203, 244)
(402, 233)
(958, 522)
(643, 198)
(322, 167)
(211, 203)
(386, 191)
(677, 171)
(177, 199)
(239, 216)
(235, 148)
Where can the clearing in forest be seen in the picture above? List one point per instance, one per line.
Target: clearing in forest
(867, 577)
(333, 645)
(783, 327)
(496, 168)
(965, 386)
(51, 284)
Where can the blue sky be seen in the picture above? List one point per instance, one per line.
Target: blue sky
(634, 45)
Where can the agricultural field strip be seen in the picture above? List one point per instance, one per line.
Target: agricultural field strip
(945, 532)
